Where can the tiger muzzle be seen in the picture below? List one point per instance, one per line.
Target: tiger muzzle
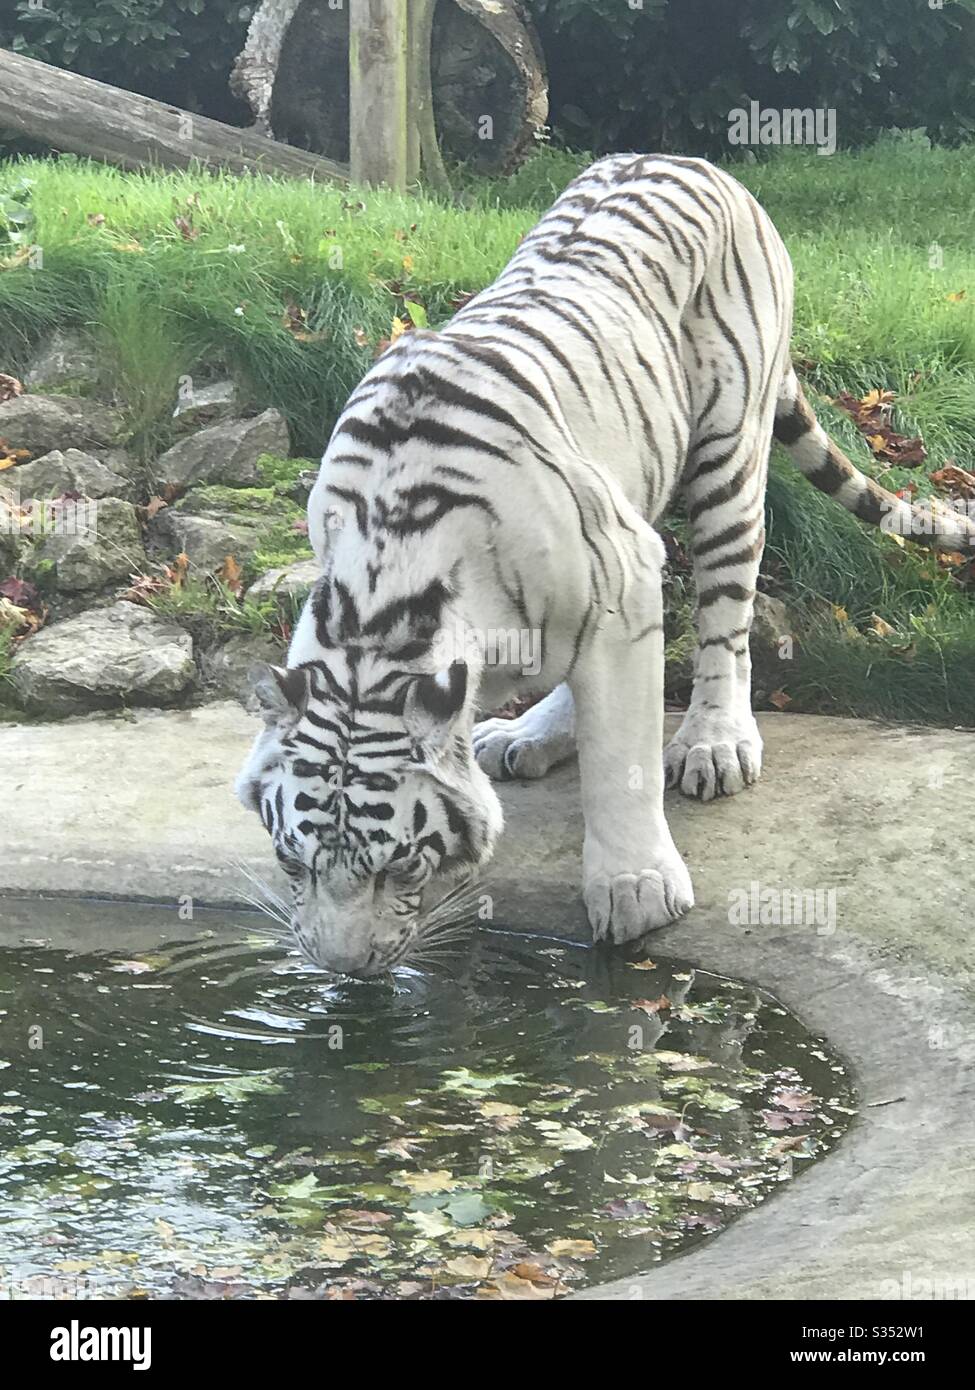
(362, 937)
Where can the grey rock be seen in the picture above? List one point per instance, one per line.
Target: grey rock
(224, 453)
(205, 540)
(301, 489)
(40, 423)
(226, 669)
(205, 404)
(103, 659)
(770, 623)
(72, 471)
(105, 546)
(120, 461)
(772, 644)
(294, 582)
(65, 358)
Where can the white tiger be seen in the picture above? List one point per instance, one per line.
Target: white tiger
(504, 474)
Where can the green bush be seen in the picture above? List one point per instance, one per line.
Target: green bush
(179, 51)
(665, 74)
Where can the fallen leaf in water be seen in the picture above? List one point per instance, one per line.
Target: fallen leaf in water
(565, 1137)
(474, 1239)
(472, 1083)
(441, 1180)
(777, 1120)
(508, 1286)
(430, 1223)
(651, 1007)
(401, 1148)
(623, 1208)
(361, 1220)
(792, 1099)
(469, 1266)
(534, 1273)
(571, 1249)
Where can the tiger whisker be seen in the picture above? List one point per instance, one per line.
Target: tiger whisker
(282, 928)
(461, 931)
(465, 918)
(269, 908)
(456, 910)
(269, 897)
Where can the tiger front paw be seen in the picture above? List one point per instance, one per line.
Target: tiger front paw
(625, 906)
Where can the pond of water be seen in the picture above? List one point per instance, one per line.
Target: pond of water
(211, 1118)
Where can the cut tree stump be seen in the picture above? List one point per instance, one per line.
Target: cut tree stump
(490, 93)
(82, 116)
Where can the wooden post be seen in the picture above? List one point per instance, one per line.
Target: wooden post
(378, 72)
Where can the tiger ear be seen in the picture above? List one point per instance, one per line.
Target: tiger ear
(433, 704)
(282, 693)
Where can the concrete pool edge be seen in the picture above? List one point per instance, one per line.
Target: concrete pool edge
(844, 804)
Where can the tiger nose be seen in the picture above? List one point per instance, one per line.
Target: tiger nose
(344, 953)
(353, 965)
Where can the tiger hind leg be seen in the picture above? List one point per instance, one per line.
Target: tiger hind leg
(718, 749)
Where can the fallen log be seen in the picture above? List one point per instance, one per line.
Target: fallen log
(77, 114)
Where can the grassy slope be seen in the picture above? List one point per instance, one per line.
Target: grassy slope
(870, 312)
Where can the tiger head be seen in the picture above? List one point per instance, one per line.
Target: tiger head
(365, 780)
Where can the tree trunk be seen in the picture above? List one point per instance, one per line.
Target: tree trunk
(487, 77)
(431, 160)
(77, 114)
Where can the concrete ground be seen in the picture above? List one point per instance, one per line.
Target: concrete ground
(142, 807)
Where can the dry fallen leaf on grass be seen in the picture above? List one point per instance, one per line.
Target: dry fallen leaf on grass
(955, 479)
(231, 575)
(10, 387)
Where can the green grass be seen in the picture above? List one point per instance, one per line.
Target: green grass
(162, 303)
(6, 656)
(881, 242)
(210, 611)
